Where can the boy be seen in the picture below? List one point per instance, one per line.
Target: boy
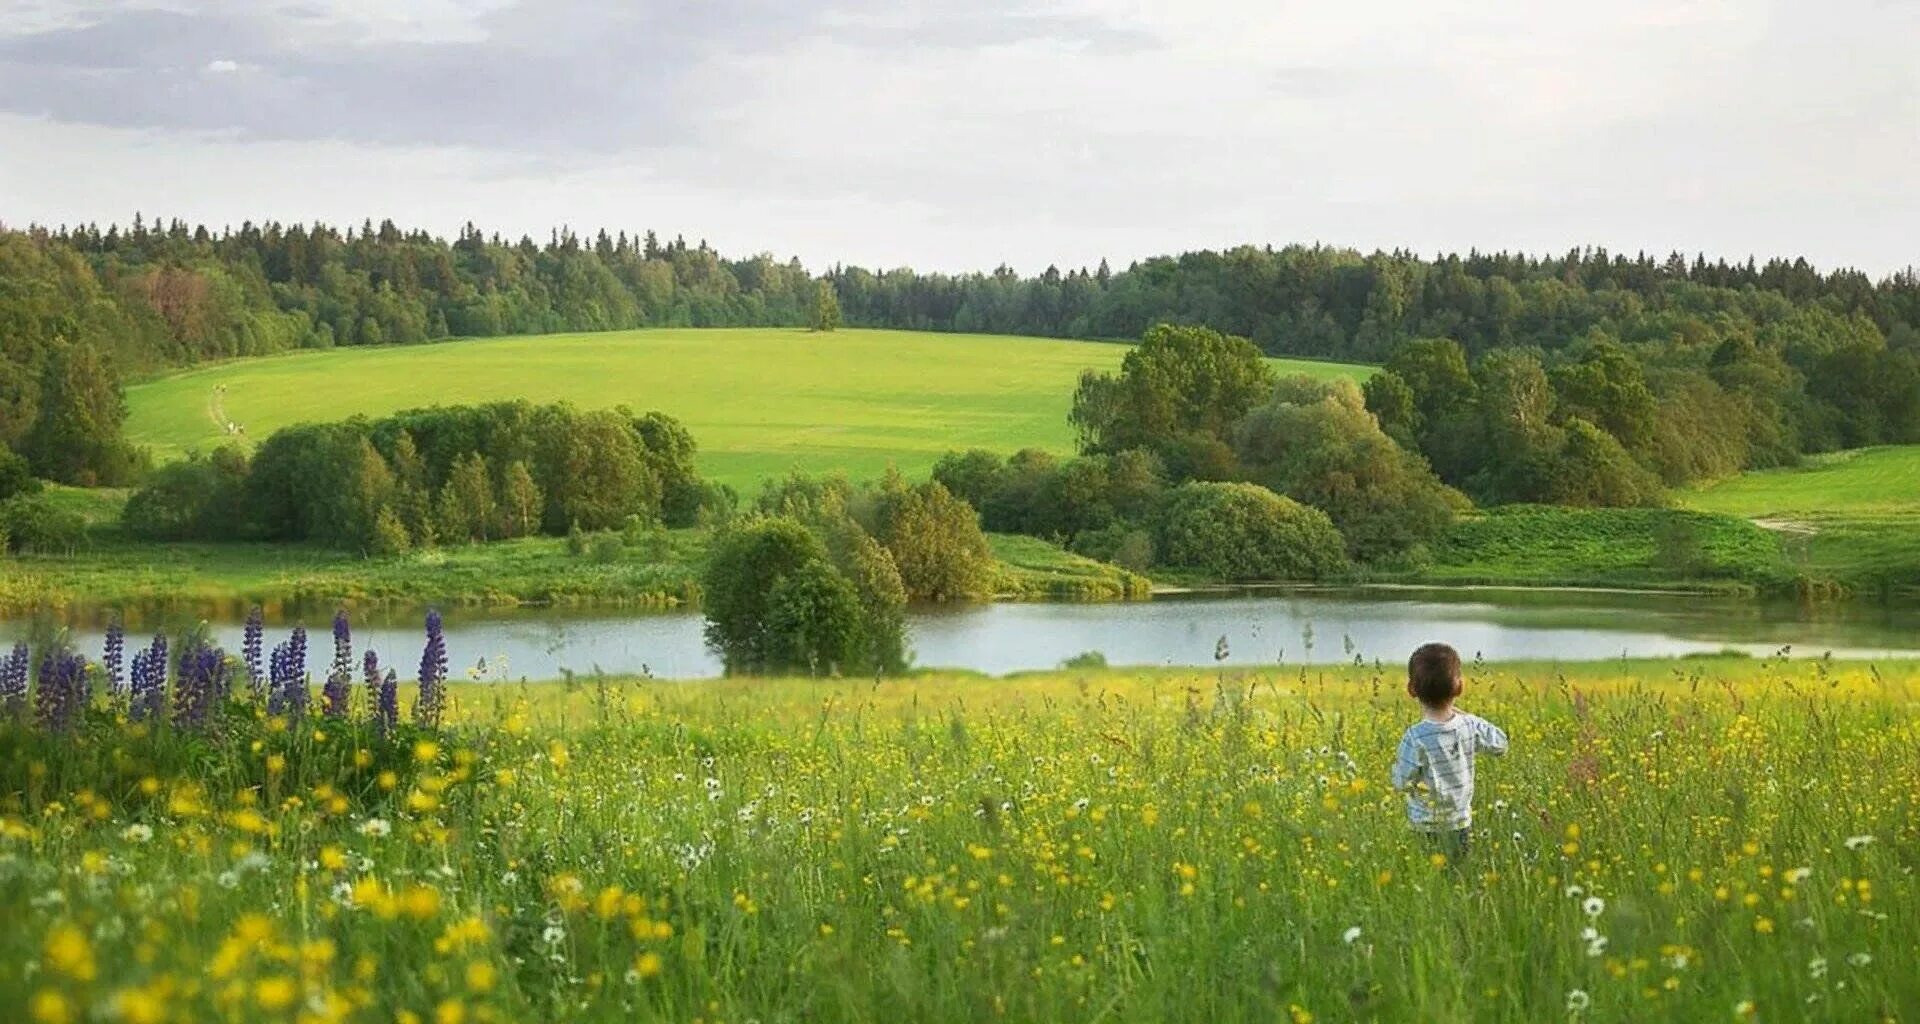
(1434, 766)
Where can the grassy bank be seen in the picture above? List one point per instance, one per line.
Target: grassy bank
(224, 579)
(1638, 548)
(761, 402)
(1110, 846)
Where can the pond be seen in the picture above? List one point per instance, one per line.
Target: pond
(1301, 626)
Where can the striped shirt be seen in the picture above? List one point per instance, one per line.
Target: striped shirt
(1434, 768)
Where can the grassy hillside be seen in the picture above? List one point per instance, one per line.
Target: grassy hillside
(1864, 481)
(759, 401)
(1851, 516)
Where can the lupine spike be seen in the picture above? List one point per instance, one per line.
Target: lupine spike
(113, 657)
(13, 683)
(250, 649)
(387, 710)
(61, 697)
(339, 688)
(149, 682)
(295, 699)
(433, 676)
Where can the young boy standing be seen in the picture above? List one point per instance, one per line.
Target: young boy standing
(1434, 766)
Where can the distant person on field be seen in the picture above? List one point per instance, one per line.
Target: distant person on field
(1434, 766)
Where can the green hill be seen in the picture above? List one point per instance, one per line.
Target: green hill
(759, 401)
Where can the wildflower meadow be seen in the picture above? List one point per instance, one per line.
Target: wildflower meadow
(193, 836)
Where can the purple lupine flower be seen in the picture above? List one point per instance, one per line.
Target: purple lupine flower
(386, 714)
(433, 676)
(295, 698)
(62, 695)
(370, 670)
(113, 657)
(149, 681)
(339, 687)
(13, 684)
(203, 680)
(251, 642)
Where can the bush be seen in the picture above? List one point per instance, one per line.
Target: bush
(1086, 661)
(1244, 532)
(199, 498)
(16, 478)
(32, 523)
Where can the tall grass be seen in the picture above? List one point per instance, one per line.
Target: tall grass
(1688, 841)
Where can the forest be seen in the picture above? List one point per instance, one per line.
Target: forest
(1769, 360)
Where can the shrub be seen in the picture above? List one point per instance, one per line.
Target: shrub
(1237, 531)
(198, 498)
(775, 603)
(32, 523)
(16, 477)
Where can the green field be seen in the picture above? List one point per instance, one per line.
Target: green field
(760, 402)
(1864, 481)
(1851, 516)
(1693, 840)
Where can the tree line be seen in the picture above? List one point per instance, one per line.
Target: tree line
(82, 309)
(448, 475)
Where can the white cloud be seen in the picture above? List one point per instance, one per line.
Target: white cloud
(1015, 130)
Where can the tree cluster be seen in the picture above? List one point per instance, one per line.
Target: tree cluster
(446, 475)
(82, 308)
(817, 579)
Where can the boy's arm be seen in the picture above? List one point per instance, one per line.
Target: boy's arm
(1489, 737)
(1409, 763)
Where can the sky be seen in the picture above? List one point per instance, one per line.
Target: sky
(963, 135)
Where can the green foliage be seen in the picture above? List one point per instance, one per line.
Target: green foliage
(16, 477)
(935, 540)
(76, 437)
(35, 523)
(1179, 390)
(825, 314)
(775, 603)
(1245, 532)
(1318, 444)
(203, 496)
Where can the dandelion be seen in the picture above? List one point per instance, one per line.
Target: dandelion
(377, 828)
(1858, 843)
(1744, 1008)
(1795, 876)
(1578, 1000)
(1593, 906)
(1859, 959)
(137, 833)
(1351, 935)
(1817, 967)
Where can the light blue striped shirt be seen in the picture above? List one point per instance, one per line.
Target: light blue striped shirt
(1434, 768)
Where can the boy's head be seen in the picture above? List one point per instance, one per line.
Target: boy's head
(1433, 675)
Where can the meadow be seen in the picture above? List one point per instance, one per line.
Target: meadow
(760, 402)
(1853, 516)
(1690, 840)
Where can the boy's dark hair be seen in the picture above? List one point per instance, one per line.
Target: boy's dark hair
(1433, 674)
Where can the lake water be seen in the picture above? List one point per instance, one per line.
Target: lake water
(1292, 627)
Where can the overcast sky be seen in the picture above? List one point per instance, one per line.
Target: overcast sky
(965, 134)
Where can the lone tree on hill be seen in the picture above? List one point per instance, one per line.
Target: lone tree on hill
(826, 308)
